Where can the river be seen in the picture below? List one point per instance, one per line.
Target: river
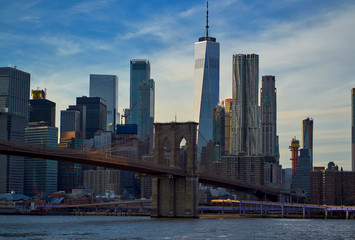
(126, 228)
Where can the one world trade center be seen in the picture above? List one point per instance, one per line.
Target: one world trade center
(206, 85)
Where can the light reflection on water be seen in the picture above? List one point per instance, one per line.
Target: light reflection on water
(129, 228)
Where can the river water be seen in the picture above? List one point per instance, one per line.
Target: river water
(125, 228)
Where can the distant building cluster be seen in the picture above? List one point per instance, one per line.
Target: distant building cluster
(236, 138)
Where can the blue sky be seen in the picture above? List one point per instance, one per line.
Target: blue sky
(307, 45)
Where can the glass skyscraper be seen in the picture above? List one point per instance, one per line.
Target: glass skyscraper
(41, 174)
(41, 109)
(246, 112)
(106, 87)
(96, 114)
(14, 115)
(139, 73)
(206, 85)
(146, 115)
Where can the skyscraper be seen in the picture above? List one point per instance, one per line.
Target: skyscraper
(96, 114)
(268, 119)
(14, 92)
(206, 84)
(228, 125)
(146, 115)
(218, 127)
(245, 135)
(41, 109)
(139, 73)
(308, 137)
(106, 87)
(353, 129)
(41, 174)
(14, 115)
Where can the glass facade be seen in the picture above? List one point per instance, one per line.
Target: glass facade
(42, 110)
(139, 73)
(246, 112)
(96, 114)
(206, 87)
(14, 92)
(106, 87)
(353, 129)
(146, 115)
(41, 174)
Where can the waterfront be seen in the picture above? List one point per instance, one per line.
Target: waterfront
(119, 228)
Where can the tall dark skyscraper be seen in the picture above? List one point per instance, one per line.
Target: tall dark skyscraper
(14, 116)
(106, 87)
(96, 114)
(41, 109)
(245, 135)
(308, 137)
(139, 73)
(219, 127)
(146, 115)
(268, 119)
(353, 129)
(206, 85)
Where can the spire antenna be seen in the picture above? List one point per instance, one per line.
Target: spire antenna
(207, 21)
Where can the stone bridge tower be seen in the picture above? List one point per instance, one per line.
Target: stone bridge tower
(174, 196)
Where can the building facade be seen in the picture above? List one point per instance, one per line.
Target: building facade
(268, 119)
(12, 128)
(245, 135)
(41, 109)
(332, 187)
(15, 92)
(301, 178)
(139, 73)
(14, 115)
(96, 114)
(106, 87)
(41, 174)
(206, 85)
(228, 125)
(353, 129)
(219, 127)
(146, 115)
(308, 137)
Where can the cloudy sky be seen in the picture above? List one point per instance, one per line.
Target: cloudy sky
(307, 45)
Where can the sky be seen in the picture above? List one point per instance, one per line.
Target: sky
(307, 45)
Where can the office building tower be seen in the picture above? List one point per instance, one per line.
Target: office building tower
(41, 174)
(41, 109)
(227, 125)
(139, 73)
(106, 87)
(146, 116)
(218, 127)
(14, 92)
(300, 179)
(206, 85)
(245, 135)
(308, 137)
(353, 129)
(72, 135)
(268, 119)
(96, 114)
(14, 115)
(12, 128)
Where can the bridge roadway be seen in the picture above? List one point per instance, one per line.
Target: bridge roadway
(123, 163)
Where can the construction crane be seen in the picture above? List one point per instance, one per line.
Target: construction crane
(126, 115)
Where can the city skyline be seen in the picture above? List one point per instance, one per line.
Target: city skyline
(308, 49)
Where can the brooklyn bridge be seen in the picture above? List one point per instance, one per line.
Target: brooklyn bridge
(174, 184)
